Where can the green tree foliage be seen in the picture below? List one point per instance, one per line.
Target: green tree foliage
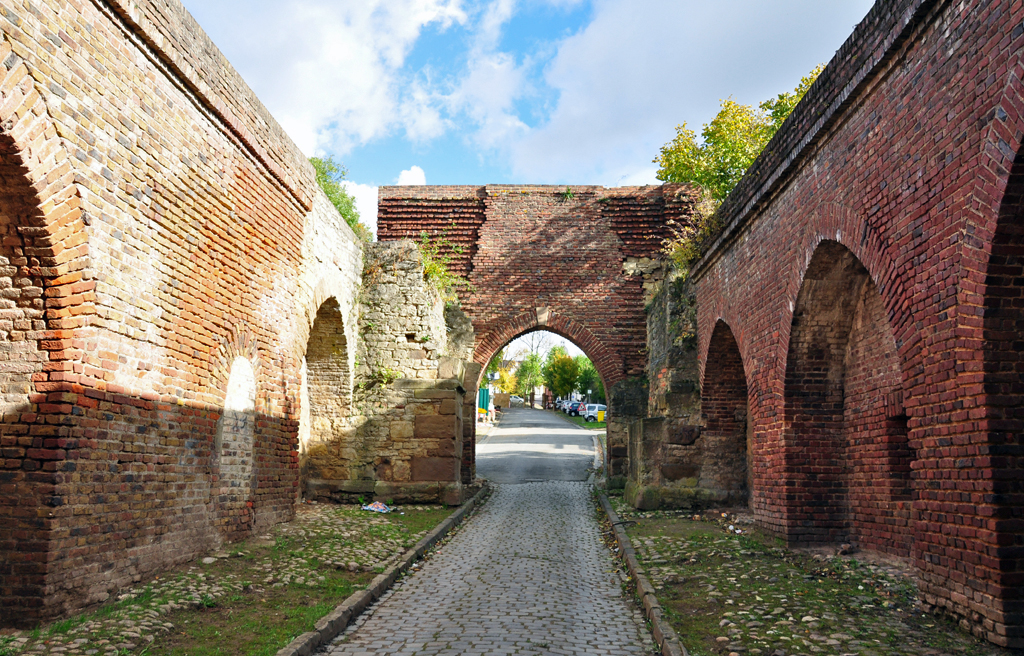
(560, 374)
(729, 143)
(329, 175)
(495, 364)
(529, 375)
(589, 379)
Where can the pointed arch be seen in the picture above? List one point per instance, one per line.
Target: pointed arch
(845, 442)
(43, 255)
(724, 406)
(545, 319)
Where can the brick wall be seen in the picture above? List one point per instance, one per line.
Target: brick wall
(157, 226)
(901, 161)
(580, 264)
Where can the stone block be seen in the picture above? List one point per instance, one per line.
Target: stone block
(449, 407)
(679, 471)
(682, 434)
(435, 426)
(406, 492)
(401, 430)
(453, 494)
(451, 368)
(436, 394)
(435, 469)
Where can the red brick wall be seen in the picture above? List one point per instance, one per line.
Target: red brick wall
(901, 153)
(155, 232)
(723, 402)
(530, 247)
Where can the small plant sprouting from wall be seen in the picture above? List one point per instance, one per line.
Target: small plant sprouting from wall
(382, 376)
(567, 195)
(437, 254)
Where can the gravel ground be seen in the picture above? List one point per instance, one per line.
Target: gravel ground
(729, 590)
(321, 536)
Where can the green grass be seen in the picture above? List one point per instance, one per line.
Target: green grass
(264, 593)
(580, 421)
(254, 623)
(751, 590)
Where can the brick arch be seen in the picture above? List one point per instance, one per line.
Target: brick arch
(239, 342)
(997, 334)
(724, 409)
(842, 225)
(44, 254)
(604, 360)
(845, 445)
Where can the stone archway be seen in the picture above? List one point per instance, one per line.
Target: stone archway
(327, 445)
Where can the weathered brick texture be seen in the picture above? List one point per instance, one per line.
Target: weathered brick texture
(578, 264)
(156, 226)
(870, 272)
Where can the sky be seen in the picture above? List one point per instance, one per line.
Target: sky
(513, 91)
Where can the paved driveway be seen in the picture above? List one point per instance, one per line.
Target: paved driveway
(526, 575)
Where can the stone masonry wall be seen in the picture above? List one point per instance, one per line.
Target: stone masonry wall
(406, 441)
(158, 226)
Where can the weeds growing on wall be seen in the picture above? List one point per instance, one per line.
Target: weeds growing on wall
(688, 241)
(437, 254)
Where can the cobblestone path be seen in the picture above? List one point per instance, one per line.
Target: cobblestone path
(527, 575)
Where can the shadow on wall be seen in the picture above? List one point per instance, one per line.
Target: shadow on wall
(847, 455)
(115, 488)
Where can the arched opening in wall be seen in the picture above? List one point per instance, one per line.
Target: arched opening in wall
(328, 446)
(846, 450)
(1003, 353)
(27, 485)
(234, 449)
(725, 439)
(539, 441)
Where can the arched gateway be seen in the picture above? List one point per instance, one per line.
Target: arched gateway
(577, 261)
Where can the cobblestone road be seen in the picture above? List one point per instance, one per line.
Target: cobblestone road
(527, 575)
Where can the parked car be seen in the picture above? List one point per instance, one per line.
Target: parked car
(591, 411)
(516, 401)
(577, 408)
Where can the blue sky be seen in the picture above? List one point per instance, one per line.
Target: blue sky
(501, 91)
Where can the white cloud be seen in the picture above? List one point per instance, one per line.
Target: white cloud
(412, 176)
(330, 71)
(366, 202)
(626, 79)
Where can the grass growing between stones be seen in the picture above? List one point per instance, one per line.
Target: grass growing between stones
(743, 593)
(251, 598)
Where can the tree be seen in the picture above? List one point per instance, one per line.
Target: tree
(329, 175)
(529, 375)
(589, 379)
(729, 144)
(560, 374)
(506, 380)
